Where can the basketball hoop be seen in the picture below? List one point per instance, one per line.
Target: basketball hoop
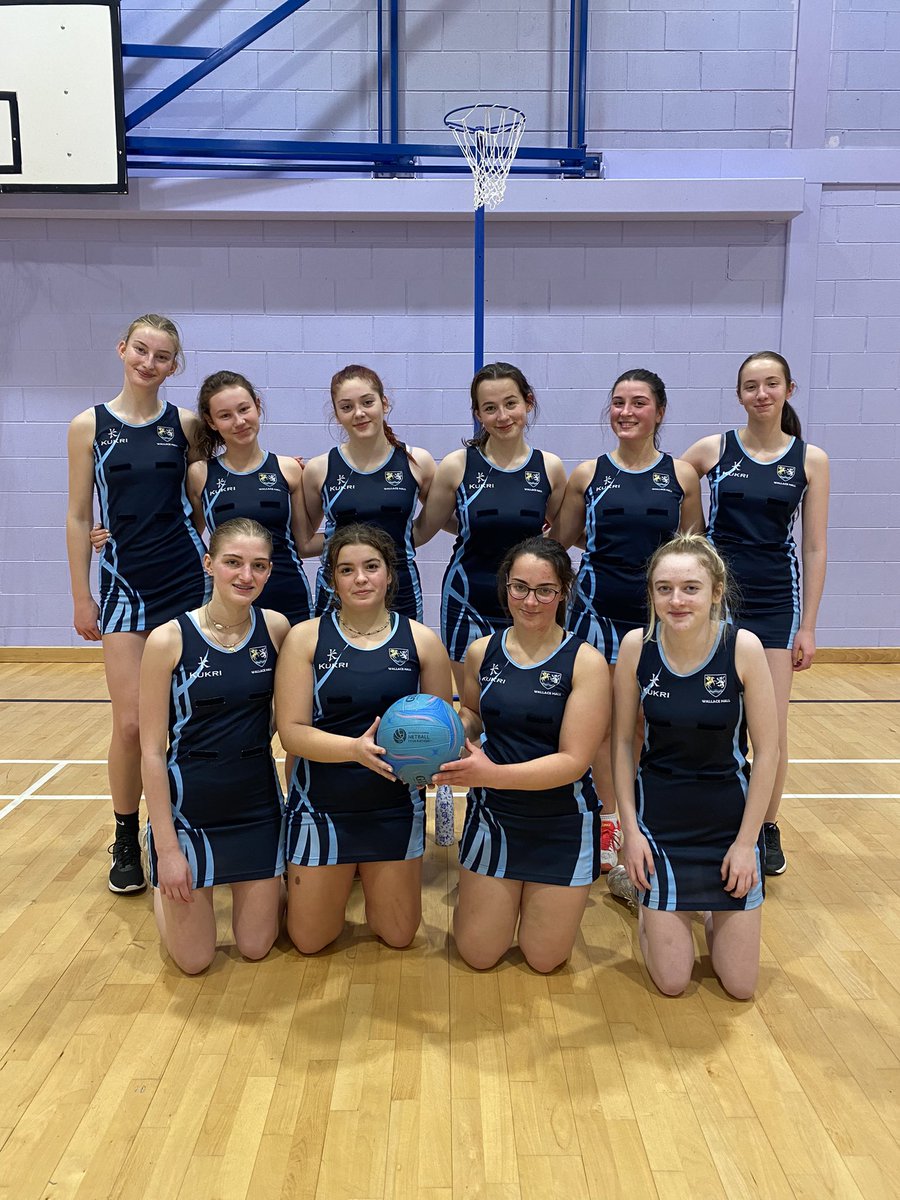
(489, 136)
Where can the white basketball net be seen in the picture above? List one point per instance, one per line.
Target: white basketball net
(489, 136)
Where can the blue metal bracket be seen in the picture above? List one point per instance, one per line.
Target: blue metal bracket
(387, 156)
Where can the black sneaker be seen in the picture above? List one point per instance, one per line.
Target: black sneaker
(126, 873)
(776, 864)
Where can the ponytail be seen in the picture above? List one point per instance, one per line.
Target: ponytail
(397, 444)
(479, 441)
(790, 422)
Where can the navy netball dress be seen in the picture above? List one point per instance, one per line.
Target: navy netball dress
(263, 495)
(627, 516)
(693, 776)
(752, 509)
(495, 509)
(551, 836)
(151, 567)
(341, 812)
(386, 498)
(226, 797)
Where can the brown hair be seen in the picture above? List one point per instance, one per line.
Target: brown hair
(489, 373)
(235, 528)
(359, 534)
(161, 325)
(367, 375)
(209, 440)
(549, 551)
(790, 422)
(656, 386)
(709, 559)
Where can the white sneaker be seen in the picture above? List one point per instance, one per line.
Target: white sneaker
(621, 887)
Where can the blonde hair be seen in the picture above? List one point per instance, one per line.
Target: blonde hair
(161, 325)
(699, 547)
(238, 527)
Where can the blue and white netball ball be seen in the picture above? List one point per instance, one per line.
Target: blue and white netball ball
(419, 734)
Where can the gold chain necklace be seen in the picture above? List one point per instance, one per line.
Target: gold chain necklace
(363, 632)
(212, 626)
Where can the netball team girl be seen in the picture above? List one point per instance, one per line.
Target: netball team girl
(246, 481)
(500, 490)
(760, 477)
(346, 809)
(692, 818)
(537, 697)
(624, 505)
(134, 450)
(213, 797)
(373, 478)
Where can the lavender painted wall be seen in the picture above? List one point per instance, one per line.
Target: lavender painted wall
(573, 301)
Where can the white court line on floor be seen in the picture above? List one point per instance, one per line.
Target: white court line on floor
(45, 778)
(59, 796)
(823, 796)
(66, 762)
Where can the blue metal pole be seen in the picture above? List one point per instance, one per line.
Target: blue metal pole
(582, 71)
(479, 288)
(571, 105)
(395, 70)
(380, 31)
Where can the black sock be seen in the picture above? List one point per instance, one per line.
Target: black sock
(127, 824)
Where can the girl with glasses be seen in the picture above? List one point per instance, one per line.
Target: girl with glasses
(530, 847)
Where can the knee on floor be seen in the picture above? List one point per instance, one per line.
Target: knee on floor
(193, 962)
(671, 982)
(255, 945)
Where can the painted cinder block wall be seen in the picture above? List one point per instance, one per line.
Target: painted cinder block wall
(573, 302)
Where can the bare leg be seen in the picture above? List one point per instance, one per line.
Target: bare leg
(668, 948)
(782, 677)
(188, 931)
(458, 670)
(317, 902)
(733, 939)
(393, 893)
(551, 916)
(256, 915)
(484, 921)
(601, 770)
(122, 653)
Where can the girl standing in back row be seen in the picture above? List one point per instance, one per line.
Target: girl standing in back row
(624, 504)
(373, 478)
(760, 477)
(500, 490)
(236, 477)
(134, 451)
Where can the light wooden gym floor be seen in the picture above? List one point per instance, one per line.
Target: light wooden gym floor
(368, 1072)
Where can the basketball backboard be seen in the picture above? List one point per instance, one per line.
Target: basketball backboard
(61, 98)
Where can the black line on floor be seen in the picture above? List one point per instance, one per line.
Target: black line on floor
(44, 700)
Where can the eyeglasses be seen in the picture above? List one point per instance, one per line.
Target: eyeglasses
(544, 593)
